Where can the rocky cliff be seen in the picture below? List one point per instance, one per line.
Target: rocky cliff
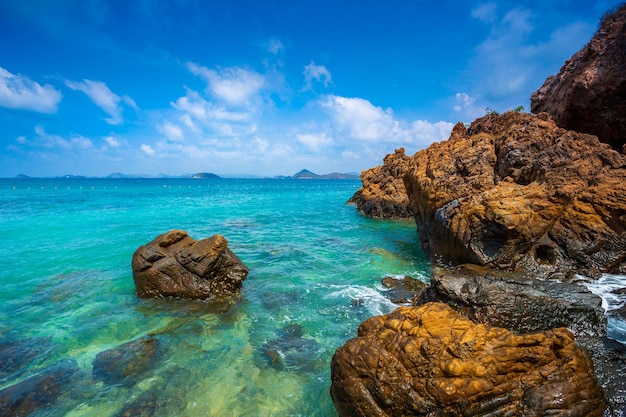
(515, 191)
(589, 92)
(382, 194)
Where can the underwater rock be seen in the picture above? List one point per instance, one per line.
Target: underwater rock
(40, 391)
(517, 302)
(15, 355)
(174, 264)
(432, 361)
(128, 363)
(290, 351)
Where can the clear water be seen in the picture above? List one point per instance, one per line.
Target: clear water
(315, 266)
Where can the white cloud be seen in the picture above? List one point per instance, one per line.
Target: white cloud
(172, 131)
(46, 140)
(234, 85)
(318, 73)
(104, 98)
(147, 149)
(114, 142)
(20, 92)
(315, 141)
(192, 105)
(359, 118)
(486, 12)
(274, 46)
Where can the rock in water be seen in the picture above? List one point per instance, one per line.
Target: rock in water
(129, 363)
(174, 264)
(432, 361)
(382, 194)
(515, 191)
(589, 92)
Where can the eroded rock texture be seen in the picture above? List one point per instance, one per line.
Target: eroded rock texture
(432, 361)
(517, 192)
(382, 194)
(589, 92)
(174, 264)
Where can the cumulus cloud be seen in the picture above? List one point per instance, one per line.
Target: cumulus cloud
(315, 141)
(486, 12)
(172, 131)
(317, 73)
(104, 98)
(234, 85)
(114, 142)
(75, 142)
(20, 92)
(147, 149)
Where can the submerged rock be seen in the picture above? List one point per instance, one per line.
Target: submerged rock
(39, 392)
(517, 192)
(15, 355)
(174, 264)
(128, 363)
(290, 351)
(517, 302)
(432, 361)
(589, 92)
(382, 194)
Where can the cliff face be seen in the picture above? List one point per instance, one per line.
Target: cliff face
(517, 192)
(382, 194)
(589, 92)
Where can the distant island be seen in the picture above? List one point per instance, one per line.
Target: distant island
(304, 174)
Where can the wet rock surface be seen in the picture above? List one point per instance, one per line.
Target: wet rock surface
(517, 302)
(433, 361)
(589, 92)
(403, 290)
(176, 265)
(382, 194)
(515, 191)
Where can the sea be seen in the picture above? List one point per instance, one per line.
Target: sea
(68, 300)
(67, 295)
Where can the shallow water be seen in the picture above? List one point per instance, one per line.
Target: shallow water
(315, 272)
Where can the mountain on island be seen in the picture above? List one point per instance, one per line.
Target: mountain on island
(306, 174)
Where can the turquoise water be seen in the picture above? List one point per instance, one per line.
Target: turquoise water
(315, 271)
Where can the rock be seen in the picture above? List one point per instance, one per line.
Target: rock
(517, 302)
(290, 351)
(16, 355)
(39, 392)
(127, 364)
(589, 92)
(402, 291)
(432, 361)
(382, 194)
(515, 191)
(174, 264)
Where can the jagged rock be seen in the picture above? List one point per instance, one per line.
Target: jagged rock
(402, 291)
(174, 264)
(432, 361)
(40, 391)
(515, 191)
(128, 363)
(517, 302)
(589, 92)
(382, 194)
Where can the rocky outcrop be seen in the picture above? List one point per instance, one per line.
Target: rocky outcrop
(589, 92)
(174, 264)
(129, 363)
(515, 191)
(382, 194)
(517, 302)
(432, 361)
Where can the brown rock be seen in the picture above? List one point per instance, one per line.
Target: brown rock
(589, 92)
(175, 264)
(432, 361)
(382, 194)
(516, 191)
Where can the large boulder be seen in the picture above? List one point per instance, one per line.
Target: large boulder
(432, 361)
(382, 194)
(515, 191)
(517, 302)
(174, 264)
(589, 92)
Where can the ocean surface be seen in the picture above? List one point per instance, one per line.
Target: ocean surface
(68, 294)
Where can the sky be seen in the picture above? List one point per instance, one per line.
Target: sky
(93, 87)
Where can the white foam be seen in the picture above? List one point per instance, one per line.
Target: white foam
(375, 303)
(606, 287)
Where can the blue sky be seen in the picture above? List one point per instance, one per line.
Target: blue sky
(91, 87)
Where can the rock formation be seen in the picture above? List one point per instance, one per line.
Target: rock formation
(515, 191)
(517, 302)
(589, 92)
(382, 194)
(432, 361)
(129, 363)
(174, 264)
